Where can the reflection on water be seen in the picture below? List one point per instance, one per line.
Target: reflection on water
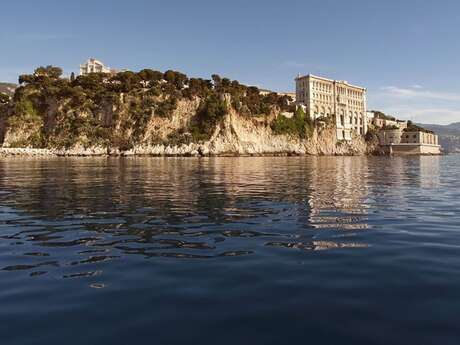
(303, 227)
(101, 210)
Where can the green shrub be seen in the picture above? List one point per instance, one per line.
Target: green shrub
(412, 127)
(371, 135)
(210, 112)
(299, 125)
(390, 128)
(166, 108)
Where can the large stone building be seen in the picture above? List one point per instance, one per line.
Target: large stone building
(325, 97)
(94, 66)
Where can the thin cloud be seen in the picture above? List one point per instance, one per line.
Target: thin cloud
(417, 104)
(420, 93)
(442, 116)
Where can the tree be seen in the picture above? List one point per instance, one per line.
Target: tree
(199, 87)
(216, 79)
(48, 71)
(91, 84)
(149, 75)
(176, 78)
(211, 111)
(26, 79)
(41, 74)
(72, 77)
(127, 81)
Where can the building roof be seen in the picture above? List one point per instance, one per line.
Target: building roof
(330, 80)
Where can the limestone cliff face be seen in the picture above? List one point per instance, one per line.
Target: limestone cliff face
(238, 135)
(235, 134)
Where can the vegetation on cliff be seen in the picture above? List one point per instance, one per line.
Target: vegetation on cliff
(117, 110)
(380, 115)
(299, 125)
(412, 127)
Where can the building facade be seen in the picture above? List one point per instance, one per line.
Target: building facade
(326, 97)
(400, 141)
(94, 66)
(419, 137)
(382, 121)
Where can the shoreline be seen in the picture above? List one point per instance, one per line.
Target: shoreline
(33, 152)
(48, 153)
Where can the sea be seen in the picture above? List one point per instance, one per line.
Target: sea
(230, 250)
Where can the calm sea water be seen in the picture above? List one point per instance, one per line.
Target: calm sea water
(329, 250)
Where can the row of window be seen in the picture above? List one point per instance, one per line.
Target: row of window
(316, 111)
(323, 97)
(360, 131)
(316, 85)
(355, 94)
(427, 139)
(342, 120)
(328, 88)
(355, 103)
(328, 98)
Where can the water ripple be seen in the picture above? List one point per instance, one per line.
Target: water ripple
(298, 244)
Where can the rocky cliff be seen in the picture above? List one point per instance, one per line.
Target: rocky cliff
(234, 135)
(151, 113)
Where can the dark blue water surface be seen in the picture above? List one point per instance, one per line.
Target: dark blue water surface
(286, 250)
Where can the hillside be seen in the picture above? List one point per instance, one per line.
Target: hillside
(157, 113)
(7, 88)
(449, 135)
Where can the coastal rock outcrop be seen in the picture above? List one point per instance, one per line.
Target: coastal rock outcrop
(235, 135)
(160, 114)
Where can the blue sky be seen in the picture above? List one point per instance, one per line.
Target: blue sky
(405, 52)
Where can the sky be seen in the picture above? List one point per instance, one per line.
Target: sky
(405, 52)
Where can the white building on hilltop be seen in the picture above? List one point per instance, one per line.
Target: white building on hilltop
(94, 66)
(326, 97)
